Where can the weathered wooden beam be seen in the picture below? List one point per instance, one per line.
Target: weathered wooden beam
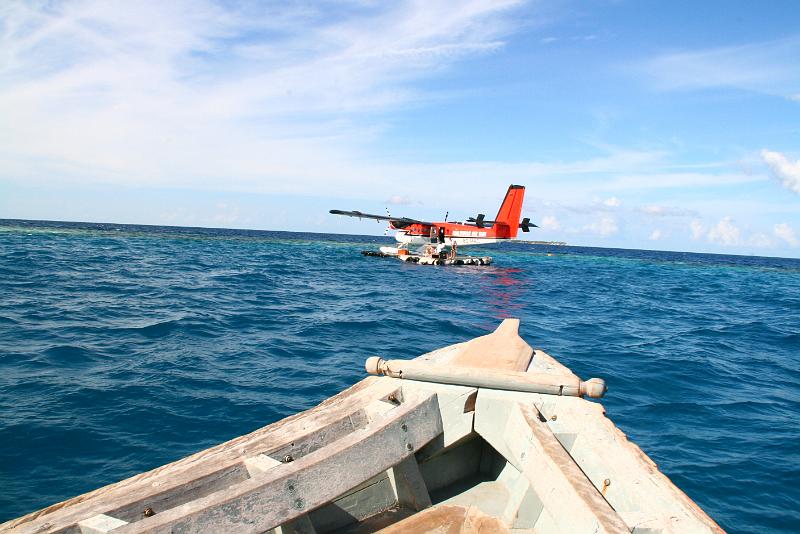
(259, 464)
(515, 429)
(284, 493)
(100, 524)
(487, 378)
(408, 485)
(629, 480)
(449, 519)
(206, 471)
(366, 500)
(544, 363)
(457, 409)
(300, 525)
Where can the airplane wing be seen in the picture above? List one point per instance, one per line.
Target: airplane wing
(398, 222)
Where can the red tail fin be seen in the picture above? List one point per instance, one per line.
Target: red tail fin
(508, 217)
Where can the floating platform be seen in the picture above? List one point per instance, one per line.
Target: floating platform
(431, 260)
(486, 436)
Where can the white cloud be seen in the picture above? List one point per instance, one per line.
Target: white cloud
(210, 95)
(605, 226)
(667, 211)
(760, 240)
(656, 178)
(698, 230)
(786, 233)
(725, 232)
(783, 169)
(656, 235)
(400, 200)
(244, 96)
(550, 222)
(771, 67)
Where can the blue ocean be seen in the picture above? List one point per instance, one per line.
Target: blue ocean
(126, 347)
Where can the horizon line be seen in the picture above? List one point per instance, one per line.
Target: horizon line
(521, 242)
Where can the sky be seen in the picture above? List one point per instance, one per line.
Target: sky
(635, 124)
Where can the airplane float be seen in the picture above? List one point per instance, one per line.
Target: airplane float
(431, 238)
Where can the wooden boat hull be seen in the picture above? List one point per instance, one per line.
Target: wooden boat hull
(406, 456)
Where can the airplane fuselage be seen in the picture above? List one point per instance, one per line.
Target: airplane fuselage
(406, 239)
(448, 233)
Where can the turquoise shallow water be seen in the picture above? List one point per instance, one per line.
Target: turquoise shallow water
(125, 347)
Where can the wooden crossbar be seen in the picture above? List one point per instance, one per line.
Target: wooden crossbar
(284, 493)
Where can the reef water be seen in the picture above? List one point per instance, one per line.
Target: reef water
(126, 347)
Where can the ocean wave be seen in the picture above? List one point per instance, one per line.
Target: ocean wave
(126, 347)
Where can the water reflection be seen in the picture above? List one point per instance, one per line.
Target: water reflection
(504, 289)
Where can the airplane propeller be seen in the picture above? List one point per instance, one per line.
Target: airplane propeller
(481, 222)
(526, 225)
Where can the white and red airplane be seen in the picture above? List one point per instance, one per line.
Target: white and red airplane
(476, 231)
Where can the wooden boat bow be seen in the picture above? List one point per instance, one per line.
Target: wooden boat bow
(438, 444)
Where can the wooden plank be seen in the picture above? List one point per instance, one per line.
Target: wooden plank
(502, 349)
(544, 363)
(528, 511)
(301, 525)
(360, 503)
(259, 464)
(289, 491)
(516, 430)
(439, 520)
(100, 524)
(408, 485)
(456, 406)
(452, 464)
(172, 479)
(448, 520)
(133, 509)
(640, 493)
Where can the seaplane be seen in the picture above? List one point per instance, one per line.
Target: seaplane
(436, 243)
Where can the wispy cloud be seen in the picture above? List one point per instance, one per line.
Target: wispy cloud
(786, 233)
(761, 240)
(261, 97)
(595, 206)
(786, 171)
(667, 211)
(550, 222)
(657, 178)
(771, 67)
(604, 226)
(698, 229)
(210, 94)
(725, 232)
(401, 200)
